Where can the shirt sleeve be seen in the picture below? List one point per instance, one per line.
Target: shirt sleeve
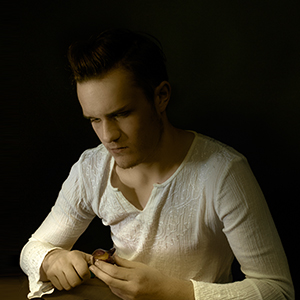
(253, 238)
(68, 219)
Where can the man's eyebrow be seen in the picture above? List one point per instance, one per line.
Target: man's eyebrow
(88, 117)
(112, 114)
(118, 111)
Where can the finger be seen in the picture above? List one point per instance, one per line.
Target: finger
(69, 277)
(65, 282)
(73, 277)
(82, 270)
(60, 282)
(109, 280)
(125, 262)
(54, 280)
(76, 256)
(88, 258)
(112, 270)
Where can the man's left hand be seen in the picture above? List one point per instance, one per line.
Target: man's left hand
(136, 281)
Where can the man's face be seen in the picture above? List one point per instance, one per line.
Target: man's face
(124, 120)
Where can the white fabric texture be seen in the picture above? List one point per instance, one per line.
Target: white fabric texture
(210, 210)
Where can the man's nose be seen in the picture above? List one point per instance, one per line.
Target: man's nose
(109, 132)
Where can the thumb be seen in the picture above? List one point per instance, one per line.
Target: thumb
(122, 262)
(87, 257)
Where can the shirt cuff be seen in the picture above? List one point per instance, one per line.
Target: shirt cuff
(32, 257)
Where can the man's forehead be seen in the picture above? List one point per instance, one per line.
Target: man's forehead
(115, 83)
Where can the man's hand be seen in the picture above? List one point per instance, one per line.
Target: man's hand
(66, 269)
(133, 281)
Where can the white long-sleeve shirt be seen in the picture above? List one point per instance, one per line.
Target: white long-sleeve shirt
(210, 210)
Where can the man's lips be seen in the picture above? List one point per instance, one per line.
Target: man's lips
(117, 150)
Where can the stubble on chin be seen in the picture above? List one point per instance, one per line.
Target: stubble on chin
(143, 155)
(126, 163)
(123, 164)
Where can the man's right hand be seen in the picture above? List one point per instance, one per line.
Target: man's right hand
(66, 269)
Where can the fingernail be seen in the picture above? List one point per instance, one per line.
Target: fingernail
(97, 263)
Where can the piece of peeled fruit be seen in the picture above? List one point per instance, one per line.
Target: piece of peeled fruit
(104, 255)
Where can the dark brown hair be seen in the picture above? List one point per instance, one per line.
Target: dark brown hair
(140, 54)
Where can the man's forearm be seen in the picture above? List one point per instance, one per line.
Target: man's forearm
(181, 290)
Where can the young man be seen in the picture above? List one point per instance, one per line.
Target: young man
(180, 205)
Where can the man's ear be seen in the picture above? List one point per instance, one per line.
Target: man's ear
(162, 96)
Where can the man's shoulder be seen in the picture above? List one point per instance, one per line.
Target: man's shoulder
(210, 148)
(92, 152)
(94, 157)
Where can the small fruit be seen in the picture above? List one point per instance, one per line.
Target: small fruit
(104, 255)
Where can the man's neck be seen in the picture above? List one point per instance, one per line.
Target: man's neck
(174, 146)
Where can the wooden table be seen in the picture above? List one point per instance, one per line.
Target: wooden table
(16, 288)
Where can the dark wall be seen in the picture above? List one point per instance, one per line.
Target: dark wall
(234, 70)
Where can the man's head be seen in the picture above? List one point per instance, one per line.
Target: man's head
(123, 90)
(126, 122)
(118, 48)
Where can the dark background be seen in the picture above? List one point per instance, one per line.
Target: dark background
(234, 70)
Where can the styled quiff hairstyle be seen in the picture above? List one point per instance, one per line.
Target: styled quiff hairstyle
(119, 48)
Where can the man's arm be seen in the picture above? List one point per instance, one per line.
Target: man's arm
(68, 219)
(253, 238)
(134, 280)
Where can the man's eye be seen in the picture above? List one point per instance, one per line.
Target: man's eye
(95, 120)
(123, 114)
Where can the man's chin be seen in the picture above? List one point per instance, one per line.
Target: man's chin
(125, 164)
